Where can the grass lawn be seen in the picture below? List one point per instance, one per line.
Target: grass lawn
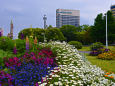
(108, 65)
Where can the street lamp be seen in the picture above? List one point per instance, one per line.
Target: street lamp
(106, 33)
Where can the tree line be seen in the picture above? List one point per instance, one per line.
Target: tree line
(85, 34)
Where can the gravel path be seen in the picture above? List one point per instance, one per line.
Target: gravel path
(84, 52)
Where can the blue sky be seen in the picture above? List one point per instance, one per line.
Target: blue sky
(25, 13)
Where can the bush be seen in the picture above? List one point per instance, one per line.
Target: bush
(107, 55)
(77, 44)
(99, 51)
(6, 43)
(96, 46)
(20, 45)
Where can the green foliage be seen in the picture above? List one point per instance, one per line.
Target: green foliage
(77, 44)
(54, 34)
(20, 45)
(83, 28)
(98, 31)
(96, 46)
(6, 43)
(84, 36)
(50, 33)
(68, 32)
(38, 32)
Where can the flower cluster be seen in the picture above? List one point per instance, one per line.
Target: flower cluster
(27, 44)
(96, 52)
(75, 71)
(0, 34)
(46, 52)
(29, 74)
(30, 68)
(12, 62)
(22, 36)
(107, 55)
(5, 79)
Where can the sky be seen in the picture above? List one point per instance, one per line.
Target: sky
(25, 13)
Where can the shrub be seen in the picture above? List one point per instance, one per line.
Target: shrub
(96, 52)
(107, 55)
(77, 44)
(96, 46)
(20, 45)
(6, 43)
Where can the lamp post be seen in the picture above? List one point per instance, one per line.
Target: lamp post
(106, 33)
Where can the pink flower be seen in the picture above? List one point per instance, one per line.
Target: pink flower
(40, 53)
(36, 84)
(18, 64)
(10, 60)
(34, 58)
(16, 59)
(42, 81)
(7, 64)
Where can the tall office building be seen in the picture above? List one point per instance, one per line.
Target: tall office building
(113, 10)
(67, 17)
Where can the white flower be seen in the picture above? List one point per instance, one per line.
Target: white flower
(51, 84)
(56, 83)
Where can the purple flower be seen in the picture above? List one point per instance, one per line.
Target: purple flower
(15, 50)
(22, 36)
(36, 84)
(0, 34)
(106, 50)
(27, 46)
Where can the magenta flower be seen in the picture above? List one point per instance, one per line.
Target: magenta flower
(36, 84)
(15, 50)
(42, 80)
(0, 34)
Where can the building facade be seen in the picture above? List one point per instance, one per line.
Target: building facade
(113, 10)
(67, 17)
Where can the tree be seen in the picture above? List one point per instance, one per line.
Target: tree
(38, 32)
(98, 31)
(68, 32)
(54, 34)
(50, 33)
(83, 28)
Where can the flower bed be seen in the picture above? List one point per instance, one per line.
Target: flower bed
(41, 69)
(73, 70)
(27, 70)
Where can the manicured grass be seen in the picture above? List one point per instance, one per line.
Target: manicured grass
(84, 48)
(108, 65)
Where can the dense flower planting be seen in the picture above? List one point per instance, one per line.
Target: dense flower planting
(107, 55)
(40, 68)
(96, 52)
(73, 70)
(29, 69)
